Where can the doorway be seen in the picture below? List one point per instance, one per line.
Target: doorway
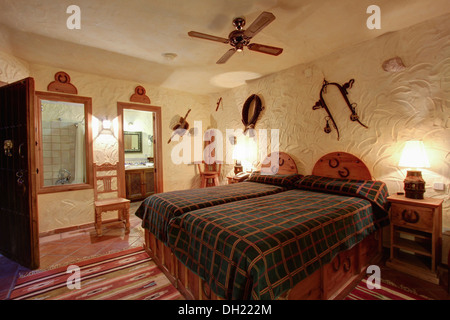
(140, 150)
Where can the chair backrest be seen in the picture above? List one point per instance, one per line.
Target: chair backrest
(213, 167)
(106, 181)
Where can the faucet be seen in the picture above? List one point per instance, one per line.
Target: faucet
(64, 176)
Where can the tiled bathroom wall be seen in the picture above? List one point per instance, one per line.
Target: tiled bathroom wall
(59, 151)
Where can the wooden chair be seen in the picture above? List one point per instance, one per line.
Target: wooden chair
(106, 182)
(210, 174)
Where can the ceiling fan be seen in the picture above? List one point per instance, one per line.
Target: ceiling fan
(240, 37)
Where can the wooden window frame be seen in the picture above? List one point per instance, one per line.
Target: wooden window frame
(87, 101)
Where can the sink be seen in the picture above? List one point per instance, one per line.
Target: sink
(138, 166)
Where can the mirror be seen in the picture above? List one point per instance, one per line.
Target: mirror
(132, 142)
(64, 142)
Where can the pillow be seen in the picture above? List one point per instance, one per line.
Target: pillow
(374, 191)
(283, 180)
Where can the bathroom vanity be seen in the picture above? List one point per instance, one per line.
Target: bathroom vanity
(140, 182)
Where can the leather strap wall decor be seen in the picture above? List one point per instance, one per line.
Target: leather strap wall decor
(352, 106)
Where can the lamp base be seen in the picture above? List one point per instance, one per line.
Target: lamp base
(414, 185)
(238, 168)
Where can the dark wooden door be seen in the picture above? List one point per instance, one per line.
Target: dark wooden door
(19, 239)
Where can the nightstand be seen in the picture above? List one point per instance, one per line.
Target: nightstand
(416, 236)
(233, 179)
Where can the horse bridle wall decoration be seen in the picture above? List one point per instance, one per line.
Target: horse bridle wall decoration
(352, 106)
(249, 120)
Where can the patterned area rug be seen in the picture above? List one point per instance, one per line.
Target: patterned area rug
(387, 291)
(125, 275)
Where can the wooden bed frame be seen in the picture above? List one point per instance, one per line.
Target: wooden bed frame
(326, 283)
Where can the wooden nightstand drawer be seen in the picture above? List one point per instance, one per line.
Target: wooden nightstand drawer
(412, 216)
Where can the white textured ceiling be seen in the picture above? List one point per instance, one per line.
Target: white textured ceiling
(127, 39)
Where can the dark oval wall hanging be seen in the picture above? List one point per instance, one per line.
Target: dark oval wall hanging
(250, 112)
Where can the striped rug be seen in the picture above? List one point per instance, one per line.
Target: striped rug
(387, 291)
(125, 275)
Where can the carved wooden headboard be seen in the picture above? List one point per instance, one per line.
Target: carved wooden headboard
(286, 165)
(341, 165)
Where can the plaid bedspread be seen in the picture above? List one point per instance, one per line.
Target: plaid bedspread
(261, 247)
(157, 210)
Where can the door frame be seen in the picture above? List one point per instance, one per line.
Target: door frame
(157, 140)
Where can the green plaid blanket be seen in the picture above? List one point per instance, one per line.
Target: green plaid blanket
(261, 247)
(374, 191)
(157, 210)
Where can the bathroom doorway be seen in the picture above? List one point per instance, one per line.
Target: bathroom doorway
(140, 150)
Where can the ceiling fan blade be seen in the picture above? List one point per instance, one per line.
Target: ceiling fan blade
(275, 51)
(226, 56)
(260, 23)
(200, 35)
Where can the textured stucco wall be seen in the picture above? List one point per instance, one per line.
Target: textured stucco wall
(407, 105)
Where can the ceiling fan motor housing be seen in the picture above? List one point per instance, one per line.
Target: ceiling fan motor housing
(238, 39)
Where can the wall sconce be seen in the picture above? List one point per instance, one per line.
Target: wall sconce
(414, 156)
(106, 124)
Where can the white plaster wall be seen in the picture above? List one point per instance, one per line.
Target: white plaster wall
(12, 69)
(65, 209)
(411, 104)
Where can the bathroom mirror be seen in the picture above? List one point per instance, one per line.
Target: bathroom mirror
(64, 143)
(132, 142)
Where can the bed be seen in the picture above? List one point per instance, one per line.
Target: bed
(307, 241)
(158, 210)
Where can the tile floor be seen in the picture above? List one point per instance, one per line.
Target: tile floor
(69, 247)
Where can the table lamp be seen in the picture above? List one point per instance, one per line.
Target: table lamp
(413, 157)
(238, 155)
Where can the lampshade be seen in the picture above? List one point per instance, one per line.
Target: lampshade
(238, 152)
(414, 155)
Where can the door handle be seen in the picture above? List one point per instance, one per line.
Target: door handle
(7, 146)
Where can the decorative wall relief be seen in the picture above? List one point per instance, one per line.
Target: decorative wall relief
(393, 65)
(62, 84)
(139, 95)
(352, 106)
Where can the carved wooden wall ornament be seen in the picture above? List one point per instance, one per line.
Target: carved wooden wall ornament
(62, 84)
(352, 106)
(139, 95)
